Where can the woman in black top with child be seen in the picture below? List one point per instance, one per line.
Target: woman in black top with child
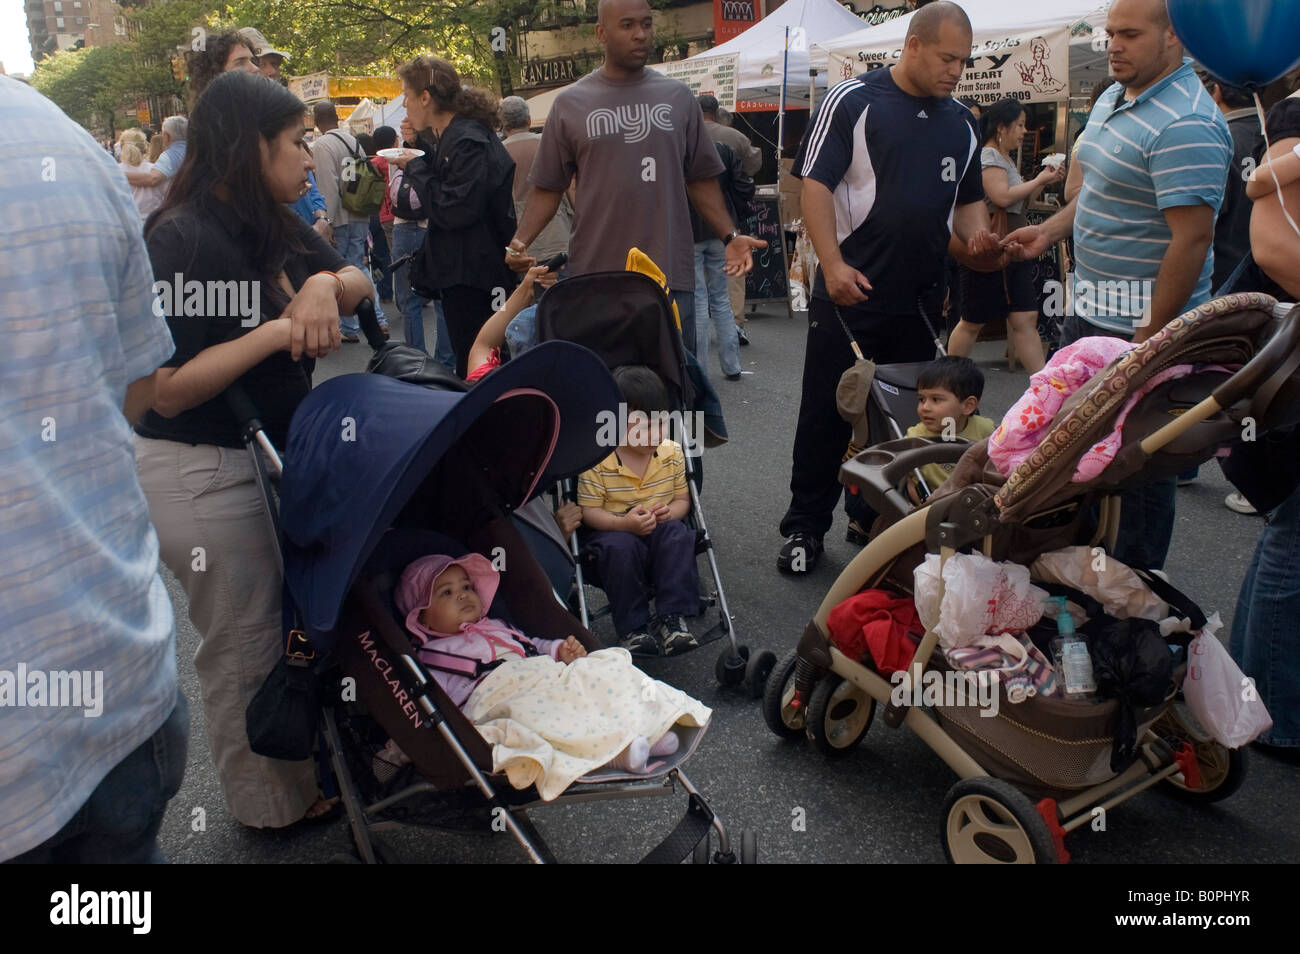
(251, 294)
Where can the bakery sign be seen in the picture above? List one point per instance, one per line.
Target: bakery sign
(1033, 66)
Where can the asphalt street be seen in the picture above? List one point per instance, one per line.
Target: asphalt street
(883, 802)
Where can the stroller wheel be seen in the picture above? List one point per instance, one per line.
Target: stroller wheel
(786, 722)
(839, 714)
(756, 672)
(730, 669)
(989, 821)
(1222, 769)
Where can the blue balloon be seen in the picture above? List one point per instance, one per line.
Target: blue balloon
(1246, 43)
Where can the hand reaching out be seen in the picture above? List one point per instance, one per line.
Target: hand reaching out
(571, 649)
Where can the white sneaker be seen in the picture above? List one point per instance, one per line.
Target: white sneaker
(1239, 504)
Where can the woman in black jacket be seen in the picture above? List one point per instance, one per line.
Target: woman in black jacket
(465, 183)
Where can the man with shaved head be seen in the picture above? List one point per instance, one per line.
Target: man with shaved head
(1155, 157)
(636, 142)
(890, 169)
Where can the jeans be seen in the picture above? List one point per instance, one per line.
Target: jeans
(1146, 519)
(119, 823)
(408, 237)
(713, 308)
(442, 350)
(351, 242)
(629, 565)
(1265, 639)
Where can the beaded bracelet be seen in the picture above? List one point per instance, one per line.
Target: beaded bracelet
(338, 295)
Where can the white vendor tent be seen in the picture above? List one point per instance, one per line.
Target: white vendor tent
(1019, 49)
(762, 51)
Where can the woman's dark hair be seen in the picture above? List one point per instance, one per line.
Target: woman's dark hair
(235, 114)
(641, 388)
(1002, 113)
(385, 137)
(443, 83)
(205, 65)
(970, 102)
(367, 143)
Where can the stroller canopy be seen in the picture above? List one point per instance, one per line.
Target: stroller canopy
(360, 445)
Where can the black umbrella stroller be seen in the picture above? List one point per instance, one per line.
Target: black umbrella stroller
(624, 317)
(380, 471)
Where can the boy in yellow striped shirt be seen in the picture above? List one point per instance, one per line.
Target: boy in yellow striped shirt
(634, 502)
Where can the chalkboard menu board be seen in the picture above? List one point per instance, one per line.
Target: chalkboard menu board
(768, 281)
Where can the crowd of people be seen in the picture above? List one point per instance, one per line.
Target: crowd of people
(246, 188)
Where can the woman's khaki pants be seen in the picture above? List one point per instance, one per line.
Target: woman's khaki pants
(213, 535)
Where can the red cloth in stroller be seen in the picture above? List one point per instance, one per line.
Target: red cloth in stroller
(878, 623)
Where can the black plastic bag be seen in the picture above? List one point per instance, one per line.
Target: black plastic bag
(1131, 663)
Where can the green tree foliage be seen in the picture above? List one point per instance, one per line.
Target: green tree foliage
(91, 86)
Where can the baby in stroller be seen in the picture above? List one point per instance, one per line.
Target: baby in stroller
(551, 712)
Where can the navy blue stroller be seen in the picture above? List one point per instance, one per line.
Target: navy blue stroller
(379, 471)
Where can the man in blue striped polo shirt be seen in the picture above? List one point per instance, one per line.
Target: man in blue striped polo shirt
(1155, 159)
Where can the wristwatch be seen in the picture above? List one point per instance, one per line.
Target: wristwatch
(735, 233)
(320, 214)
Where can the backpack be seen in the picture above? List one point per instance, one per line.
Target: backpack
(362, 193)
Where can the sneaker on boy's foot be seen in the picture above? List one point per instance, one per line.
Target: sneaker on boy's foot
(799, 553)
(676, 635)
(641, 642)
(1236, 502)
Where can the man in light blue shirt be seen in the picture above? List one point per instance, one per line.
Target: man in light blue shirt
(93, 729)
(1155, 157)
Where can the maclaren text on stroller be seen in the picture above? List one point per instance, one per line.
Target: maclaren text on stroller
(1039, 769)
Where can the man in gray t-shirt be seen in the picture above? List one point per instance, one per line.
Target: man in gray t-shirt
(636, 142)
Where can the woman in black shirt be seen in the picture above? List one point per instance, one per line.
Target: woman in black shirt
(251, 295)
(466, 184)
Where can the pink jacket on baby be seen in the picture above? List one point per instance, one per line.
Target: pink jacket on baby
(486, 641)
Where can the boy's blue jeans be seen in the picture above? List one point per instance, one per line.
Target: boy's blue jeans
(119, 823)
(630, 565)
(1265, 640)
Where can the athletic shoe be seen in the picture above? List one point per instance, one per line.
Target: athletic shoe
(351, 339)
(641, 643)
(676, 635)
(799, 553)
(1239, 504)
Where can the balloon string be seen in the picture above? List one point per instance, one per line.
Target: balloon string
(1268, 147)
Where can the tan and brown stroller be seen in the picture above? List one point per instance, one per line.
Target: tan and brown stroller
(1041, 768)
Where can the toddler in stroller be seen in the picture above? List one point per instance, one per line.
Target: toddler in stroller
(948, 395)
(551, 712)
(634, 501)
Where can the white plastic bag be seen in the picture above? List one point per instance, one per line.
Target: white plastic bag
(980, 597)
(1219, 694)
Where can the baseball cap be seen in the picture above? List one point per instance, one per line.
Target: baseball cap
(260, 46)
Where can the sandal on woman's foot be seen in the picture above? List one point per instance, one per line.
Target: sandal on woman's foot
(323, 810)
